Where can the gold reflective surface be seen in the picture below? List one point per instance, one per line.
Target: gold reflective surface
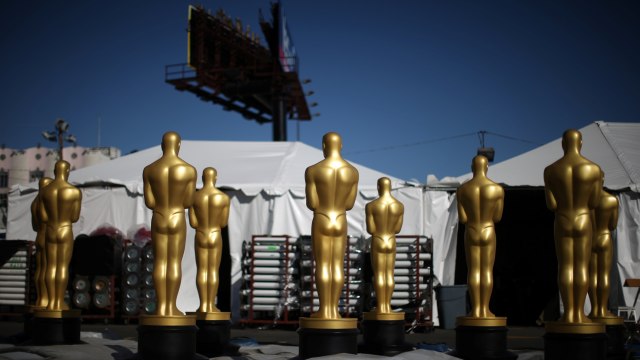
(394, 316)
(60, 208)
(574, 328)
(605, 220)
(213, 316)
(331, 189)
(480, 204)
(208, 215)
(384, 217)
(475, 321)
(317, 323)
(57, 314)
(169, 185)
(573, 185)
(168, 320)
(40, 228)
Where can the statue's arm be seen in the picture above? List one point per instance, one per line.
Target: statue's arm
(149, 199)
(497, 215)
(550, 199)
(193, 219)
(225, 211)
(77, 206)
(371, 225)
(354, 190)
(191, 188)
(594, 198)
(398, 224)
(310, 190)
(613, 222)
(462, 215)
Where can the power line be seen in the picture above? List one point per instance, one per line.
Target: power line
(399, 146)
(392, 147)
(512, 138)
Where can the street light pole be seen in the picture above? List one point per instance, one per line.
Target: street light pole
(58, 135)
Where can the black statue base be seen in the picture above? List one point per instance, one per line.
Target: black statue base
(55, 327)
(322, 337)
(571, 346)
(167, 338)
(615, 342)
(383, 337)
(482, 343)
(213, 338)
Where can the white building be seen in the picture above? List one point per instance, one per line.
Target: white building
(20, 167)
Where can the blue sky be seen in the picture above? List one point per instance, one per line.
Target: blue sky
(401, 75)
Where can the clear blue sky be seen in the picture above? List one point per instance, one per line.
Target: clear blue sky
(385, 74)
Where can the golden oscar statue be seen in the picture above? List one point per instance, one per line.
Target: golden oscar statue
(57, 208)
(573, 187)
(208, 215)
(605, 220)
(60, 209)
(169, 185)
(383, 329)
(40, 227)
(480, 204)
(480, 334)
(331, 189)
(384, 217)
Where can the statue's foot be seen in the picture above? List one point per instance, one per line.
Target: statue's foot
(316, 315)
(325, 315)
(176, 312)
(488, 314)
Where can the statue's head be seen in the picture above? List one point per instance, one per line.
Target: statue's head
(209, 175)
(171, 142)
(571, 140)
(384, 185)
(479, 164)
(331, 143)
(44, 182)
(61, 170)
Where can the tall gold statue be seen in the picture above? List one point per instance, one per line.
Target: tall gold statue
(480, 204)
(384, 217)
(605, 220)
(573, 186)
(208, 215)
(61, 203)
(169, 185)
(331, 189)
(40, 228)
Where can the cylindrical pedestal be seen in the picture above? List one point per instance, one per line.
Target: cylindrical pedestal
(213, 333)
(383, 334)
(167, 338)
(28, 320)
(56, 327)
(582, 341)
(614, 328)
(482, 339)
(321, 337)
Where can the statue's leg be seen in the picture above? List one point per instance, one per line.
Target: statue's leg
(213, 281)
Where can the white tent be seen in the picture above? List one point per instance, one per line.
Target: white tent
(266, 184)
(616, 148)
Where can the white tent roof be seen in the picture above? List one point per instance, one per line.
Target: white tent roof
(613, 146)
(273, 167)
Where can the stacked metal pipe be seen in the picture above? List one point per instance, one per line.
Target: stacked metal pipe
(14, 278)
(270, 275)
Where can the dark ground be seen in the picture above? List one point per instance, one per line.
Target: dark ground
(519, 338)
